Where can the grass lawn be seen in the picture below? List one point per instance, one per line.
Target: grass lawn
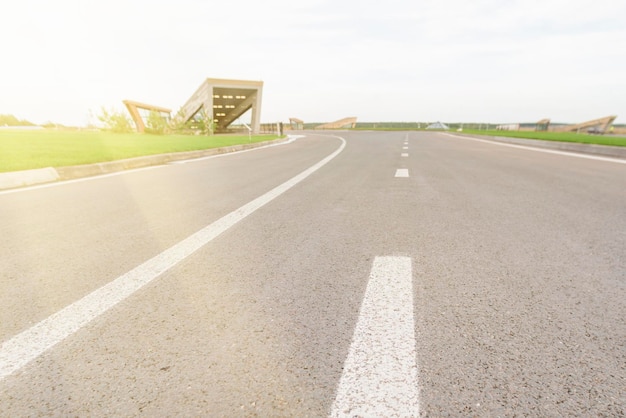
(556, 136)
(23, 150)
(619, 141)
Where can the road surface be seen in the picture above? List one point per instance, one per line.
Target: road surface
(343, 274)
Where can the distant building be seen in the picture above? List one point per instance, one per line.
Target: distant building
(438, 125)
(508, 127)
(543, 125)
(221, 100)
(225, 101)
(296, 124)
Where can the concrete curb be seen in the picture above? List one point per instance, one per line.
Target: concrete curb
(604, 150)
(46, 175)
(27, 177)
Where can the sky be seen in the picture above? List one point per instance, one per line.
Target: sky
(497, 61)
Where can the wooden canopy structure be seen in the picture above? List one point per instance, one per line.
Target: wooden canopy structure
(602, 124)
(140, 111)
(344, 123)
(224, 101)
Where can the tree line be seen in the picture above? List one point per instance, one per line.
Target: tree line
(117, 121)
(10, 120)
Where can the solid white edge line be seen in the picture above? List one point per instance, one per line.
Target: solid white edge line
(290, 139)
(64, 182)
(31, 343)
(380, 373)
(402, 172)
(547, 151)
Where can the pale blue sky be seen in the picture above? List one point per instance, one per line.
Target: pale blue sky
(449, 60)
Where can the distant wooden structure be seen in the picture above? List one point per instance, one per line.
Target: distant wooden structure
(140, 112)
(344, 123)
(542, 125)
(224, 101)
(296, 124)
(602, 124)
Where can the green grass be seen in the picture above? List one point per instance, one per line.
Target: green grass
(546, 136)
(23, 150)
(556, 136)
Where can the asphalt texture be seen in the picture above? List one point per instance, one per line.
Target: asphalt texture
(519, 281)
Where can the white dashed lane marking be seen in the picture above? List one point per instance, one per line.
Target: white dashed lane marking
(379, 377)
(402, 172)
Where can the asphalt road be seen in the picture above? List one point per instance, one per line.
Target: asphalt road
(515, 262)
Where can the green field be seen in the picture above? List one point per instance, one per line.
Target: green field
(556, 136)
(23, 150)
(619, 141)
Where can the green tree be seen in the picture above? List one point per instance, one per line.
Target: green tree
(206, 124)
(10, 120)
(156, 124)
(178, 124)
(201, 123)
(115, 121)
